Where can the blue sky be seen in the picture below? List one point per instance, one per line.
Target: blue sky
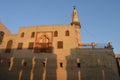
(100, 19)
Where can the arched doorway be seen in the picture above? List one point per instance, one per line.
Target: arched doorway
(9, 46)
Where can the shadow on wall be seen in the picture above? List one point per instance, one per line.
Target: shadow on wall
(118, 64)
(81, 64)
(26, 65)
(91, 64)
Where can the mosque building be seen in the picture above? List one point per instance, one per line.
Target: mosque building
(54, 52)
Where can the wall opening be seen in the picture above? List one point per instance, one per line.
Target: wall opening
(20, 45)
(22, 34)
(1, 36)
(25, 64)
(60, 44)
(9, 46)
(31, 45)
(55, 34)
(61, 65)
(78, 65)
(33, 35)
(67, 33)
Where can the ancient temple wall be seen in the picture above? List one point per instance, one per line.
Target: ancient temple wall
(81, 64)
(95, 64)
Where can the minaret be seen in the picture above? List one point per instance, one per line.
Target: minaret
(75, 20)
(76, 24)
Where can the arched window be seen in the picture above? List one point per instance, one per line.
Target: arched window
(67, 33)
(22, 34)
(1, 36)
(55, 34)
(9, 46)
(33, 35)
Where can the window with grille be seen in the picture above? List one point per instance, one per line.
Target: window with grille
(20, 45)
(60, 44)
(30, 46)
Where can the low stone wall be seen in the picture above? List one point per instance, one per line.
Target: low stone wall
(81, 64)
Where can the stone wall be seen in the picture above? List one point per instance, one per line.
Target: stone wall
(117, 56)
(95, 64)
(81, 64)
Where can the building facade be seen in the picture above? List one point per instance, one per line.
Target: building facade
(53, 52)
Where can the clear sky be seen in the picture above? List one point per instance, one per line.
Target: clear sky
(100, 19)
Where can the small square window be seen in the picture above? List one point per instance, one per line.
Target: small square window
(9, 64)
(43, 64)
(25, 64)
(61, 65)
(78, 65)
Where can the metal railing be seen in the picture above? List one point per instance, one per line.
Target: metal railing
(96, 45)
